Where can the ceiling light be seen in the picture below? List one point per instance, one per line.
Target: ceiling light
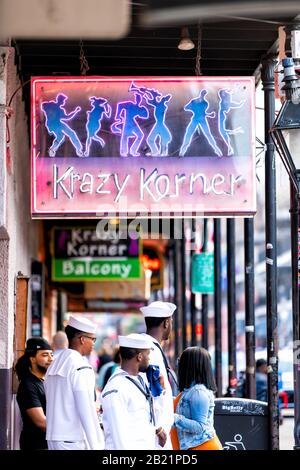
(185, 44)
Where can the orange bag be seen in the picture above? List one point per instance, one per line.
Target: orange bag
(174, 435)
(212, 444)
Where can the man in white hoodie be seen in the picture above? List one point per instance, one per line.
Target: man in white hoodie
(72, 422)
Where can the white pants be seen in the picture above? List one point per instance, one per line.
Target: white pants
(67, 445)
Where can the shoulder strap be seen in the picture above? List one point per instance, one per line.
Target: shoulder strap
(176, 400)
(163, 354)
(170, 372)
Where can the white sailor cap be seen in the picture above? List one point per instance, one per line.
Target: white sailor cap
(82, 324)
(135, 341)
(159, 309)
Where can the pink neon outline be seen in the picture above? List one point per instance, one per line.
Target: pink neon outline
(66, 118)
(238, 107)
(33, 150)
(121, 120)
(163, 121)
(99, 122)
(205, 118)
(39, 79)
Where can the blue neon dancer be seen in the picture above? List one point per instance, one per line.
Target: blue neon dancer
(126, 124)
(100, 107)
(198, 106)
(226, 104)
(159, 131)
(55, 123)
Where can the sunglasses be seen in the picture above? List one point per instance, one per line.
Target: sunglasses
(90, 337)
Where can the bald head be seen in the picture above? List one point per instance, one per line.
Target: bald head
(60, 341)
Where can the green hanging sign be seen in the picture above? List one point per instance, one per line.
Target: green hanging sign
(203, 273)
(79, 254)
(96, 270)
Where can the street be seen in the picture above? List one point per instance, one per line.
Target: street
(286, 433)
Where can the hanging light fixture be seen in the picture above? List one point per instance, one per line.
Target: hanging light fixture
(185, 44)
(286, 129)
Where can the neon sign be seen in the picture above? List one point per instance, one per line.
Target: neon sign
(126, 124)
(55, 123)
(100, 107)
(152, 264)
(226, 104)
(123, 146)
(198, 106)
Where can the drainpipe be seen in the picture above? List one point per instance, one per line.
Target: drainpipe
(218, 305)
(268, 67)
(249, 308)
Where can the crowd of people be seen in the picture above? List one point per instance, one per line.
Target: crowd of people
(143, 405)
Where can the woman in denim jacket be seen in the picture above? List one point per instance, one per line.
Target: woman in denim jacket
(194, 416)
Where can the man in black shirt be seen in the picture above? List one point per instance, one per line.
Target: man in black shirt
(31, 369)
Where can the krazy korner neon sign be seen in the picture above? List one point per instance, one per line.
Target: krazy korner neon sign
(152, 145)
(131, 116)
(154, 185)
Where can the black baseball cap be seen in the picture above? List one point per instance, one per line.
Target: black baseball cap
(37, 344)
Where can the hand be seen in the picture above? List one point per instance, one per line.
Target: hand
(162, 439)
(162, 436)
(162, 381)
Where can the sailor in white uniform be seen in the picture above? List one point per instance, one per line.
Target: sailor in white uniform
(128, 413)
(72, 422)
(158, 319)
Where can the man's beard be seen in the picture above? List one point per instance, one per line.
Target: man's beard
(143, 368)
(42, 369)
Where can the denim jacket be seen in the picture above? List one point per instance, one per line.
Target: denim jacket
(194, 417)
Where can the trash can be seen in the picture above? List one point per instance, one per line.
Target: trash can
(241, 424)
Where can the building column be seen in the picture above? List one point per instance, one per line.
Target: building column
(268, 68)
(6, 316)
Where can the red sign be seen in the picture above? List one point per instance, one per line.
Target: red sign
(164, 147)
(199, 329)
(152, 264)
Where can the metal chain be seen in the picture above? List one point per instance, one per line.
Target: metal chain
(84, 65)
(198, 55)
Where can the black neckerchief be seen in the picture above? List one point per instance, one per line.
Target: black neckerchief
(147, 394)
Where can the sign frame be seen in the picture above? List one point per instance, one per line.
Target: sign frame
(214, 188)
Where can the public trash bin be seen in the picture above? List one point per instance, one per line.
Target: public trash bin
(241, 424)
